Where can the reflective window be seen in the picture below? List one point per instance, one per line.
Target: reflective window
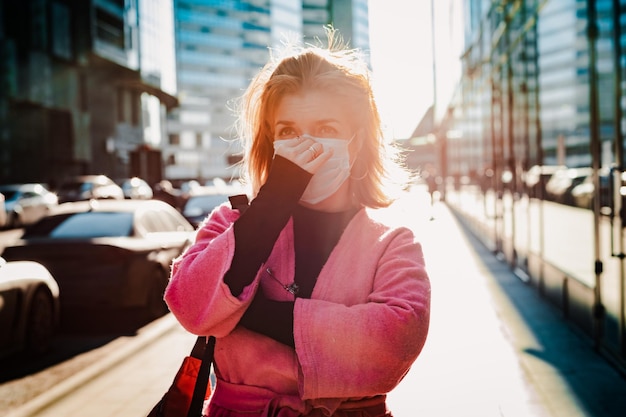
(91, 225)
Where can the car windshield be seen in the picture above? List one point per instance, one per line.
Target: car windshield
(83, 225)
(9, 195)
(72, 186)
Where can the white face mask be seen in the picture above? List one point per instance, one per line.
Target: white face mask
(332, 174)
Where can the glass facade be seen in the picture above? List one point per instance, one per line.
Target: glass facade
(531, 151)
(81, 85)
(350, 18)
(220, 45)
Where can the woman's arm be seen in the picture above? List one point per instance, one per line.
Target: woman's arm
(206, 289)
(365, 349)
(258, 228)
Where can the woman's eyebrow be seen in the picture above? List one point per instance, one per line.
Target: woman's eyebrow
(326, 121)
(317, 122)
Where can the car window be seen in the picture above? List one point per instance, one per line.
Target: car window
(43, 227)
(9, 194)
(95, 224)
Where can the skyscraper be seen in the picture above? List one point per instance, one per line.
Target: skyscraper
(81, 85)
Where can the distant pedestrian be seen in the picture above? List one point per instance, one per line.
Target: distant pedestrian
(319, 306)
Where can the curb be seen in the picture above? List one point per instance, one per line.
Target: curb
(127, 347)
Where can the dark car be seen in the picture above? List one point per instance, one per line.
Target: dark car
(108, 256)
(199, 205)
(86, 187)
(29, 307)
(26, 203)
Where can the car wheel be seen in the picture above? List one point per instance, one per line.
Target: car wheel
(14, 220)
(40, 327)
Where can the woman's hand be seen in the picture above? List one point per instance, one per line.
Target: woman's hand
(304, 152)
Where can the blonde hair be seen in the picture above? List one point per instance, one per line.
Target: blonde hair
(336, 70)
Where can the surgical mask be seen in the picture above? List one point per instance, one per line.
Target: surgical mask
(327, 180)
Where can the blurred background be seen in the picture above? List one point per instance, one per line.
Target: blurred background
(513, 113)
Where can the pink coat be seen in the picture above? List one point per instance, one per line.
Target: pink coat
(357, 336)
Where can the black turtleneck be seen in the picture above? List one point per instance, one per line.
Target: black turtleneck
(316, 233)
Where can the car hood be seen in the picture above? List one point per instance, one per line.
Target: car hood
(158, 241)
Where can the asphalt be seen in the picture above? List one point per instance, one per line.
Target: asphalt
(495, 348)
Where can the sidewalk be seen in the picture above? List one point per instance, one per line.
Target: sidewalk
(494, 349)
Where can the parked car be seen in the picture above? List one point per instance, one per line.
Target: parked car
(200, 204)
(106, 255)
(26, 203)
(559, 186)
(165, 191)
(538, 176)
(86, 187)
(584, 194)
(29, 307)
(135, 188)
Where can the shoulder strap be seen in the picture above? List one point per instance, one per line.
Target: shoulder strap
(205, 346)
(239, 202)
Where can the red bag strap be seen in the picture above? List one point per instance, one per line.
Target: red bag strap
(205, 346)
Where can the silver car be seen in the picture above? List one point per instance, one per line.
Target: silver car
(30, 307)
(87, 187)
(135, 188)
(26, 203)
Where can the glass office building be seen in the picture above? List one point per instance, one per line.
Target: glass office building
(82, 85)
(532, 149)
(219, 47)
(349, 17)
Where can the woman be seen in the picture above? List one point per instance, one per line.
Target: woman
(318, 308)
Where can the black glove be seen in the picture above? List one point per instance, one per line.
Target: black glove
(271, 318)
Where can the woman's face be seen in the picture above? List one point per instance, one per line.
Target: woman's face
(313, 112)
(319, 114)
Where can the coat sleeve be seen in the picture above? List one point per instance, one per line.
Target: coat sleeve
(196, 294)
(366, 348)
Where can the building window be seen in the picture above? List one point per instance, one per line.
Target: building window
(174, 139)
(110, 28)
(61, 33)
(135, 108)
(83, 93)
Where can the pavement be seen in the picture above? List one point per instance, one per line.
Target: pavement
(495, 348)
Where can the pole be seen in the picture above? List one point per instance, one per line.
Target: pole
(594, 131)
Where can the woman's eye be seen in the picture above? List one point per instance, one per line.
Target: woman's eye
(287, 133)
(327, 131)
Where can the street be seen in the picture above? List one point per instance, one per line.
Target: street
(78, 344)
